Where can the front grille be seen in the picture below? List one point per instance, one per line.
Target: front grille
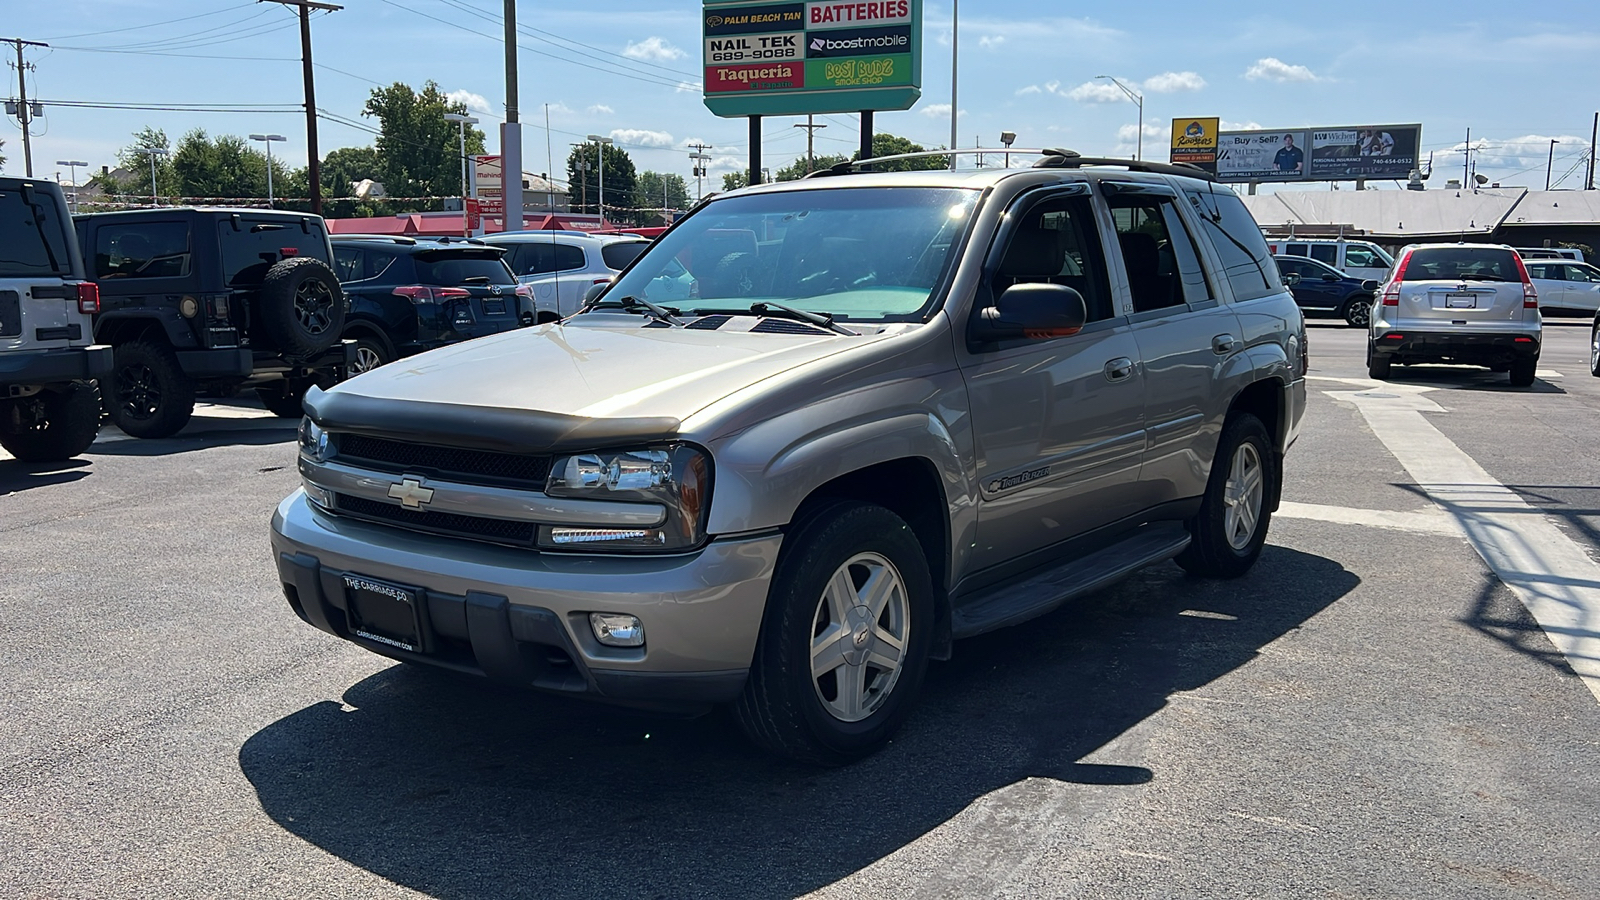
(451, 463)
(499, 531)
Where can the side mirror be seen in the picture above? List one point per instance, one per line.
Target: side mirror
(1370, 285)
(1329, 276)
(1031, 312)
(594, 292)
(1291, 280)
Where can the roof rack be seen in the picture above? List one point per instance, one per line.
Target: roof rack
(1050, 159)
(393, 238)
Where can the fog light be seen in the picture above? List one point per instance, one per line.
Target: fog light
(617, 630)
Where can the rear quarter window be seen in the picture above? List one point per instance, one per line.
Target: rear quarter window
(1246, 263)
(141, 250)
(617, 255)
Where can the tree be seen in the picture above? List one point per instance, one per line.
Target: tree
(2, 156)
(136, 160)
(732, 181)
(419, 150)
(224, 167)
(799, 167)
(884, 144)
(652, 190)
(347, 165)
(583, 178)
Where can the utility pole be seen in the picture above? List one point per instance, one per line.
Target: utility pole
(1593, 135)
(955, 104)
(1551, 164)
(511, 131)
(24, 111)
(811, 133)
(700, 158)
(313, 160)
(1466, 164)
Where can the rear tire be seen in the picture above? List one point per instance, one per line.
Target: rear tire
(1231, 527)
(282, 400)
(1377, 365)
(300, 308)
(1594, 349)
(843, 702)
(60, 427)
(1522, 371)
(370, 354)
(1358, 311)
(150, 396)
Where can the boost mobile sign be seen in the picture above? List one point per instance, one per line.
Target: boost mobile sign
(795, 59)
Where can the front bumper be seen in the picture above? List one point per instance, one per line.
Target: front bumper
(55, 366)
(521, 617)
(1442, 346)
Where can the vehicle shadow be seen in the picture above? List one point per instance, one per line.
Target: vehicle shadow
(456, 789)
(198, 436)
(1466, 378)
(17, 476)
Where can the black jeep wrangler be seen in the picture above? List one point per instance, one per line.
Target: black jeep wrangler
(212, 299)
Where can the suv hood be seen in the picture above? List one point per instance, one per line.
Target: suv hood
(598, 371)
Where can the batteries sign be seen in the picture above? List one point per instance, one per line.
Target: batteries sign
(785, 58)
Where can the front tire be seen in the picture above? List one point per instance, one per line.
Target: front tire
(1594, 349)
(369, 355)
(51, 426)
(1231, 527)
(150, 395)
(845, 639)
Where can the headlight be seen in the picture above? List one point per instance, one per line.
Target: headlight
(678, 477)
(313, 441)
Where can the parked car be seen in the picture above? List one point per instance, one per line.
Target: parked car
(208, 298)
(1358, 259)
(559, 266)
(49, 402)
(407, 295)
(1566, 288)
(1322, 289)
(936, 404)
(1531, 253)
(1594, 347)
(1472, 304)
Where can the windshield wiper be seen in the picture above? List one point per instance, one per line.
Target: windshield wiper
(1482, 278)
(635, 304)
(821, 320)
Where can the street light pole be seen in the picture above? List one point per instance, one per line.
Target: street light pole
(1551, 164)
(268, 139)
(463, 121)
(955, 105)
(73, 164)
(1138, 100)
(600, 146)
(1007, 137)
(154, 152)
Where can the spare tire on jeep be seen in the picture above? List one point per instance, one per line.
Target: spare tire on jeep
(300, 309)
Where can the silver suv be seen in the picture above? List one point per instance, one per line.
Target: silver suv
(560, 266)
(893, 410)
(1457, 303)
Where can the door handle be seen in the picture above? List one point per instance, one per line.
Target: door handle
(1119, 369)
(1223, 344)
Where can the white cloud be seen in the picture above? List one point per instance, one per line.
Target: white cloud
(601, 109)
(1530, 151)
(1097, 92)
(991, 41)
(653, 49)
(1052, 86)
(690, 87)
(690, 143)
(560, 109)
(1156, 139)
(642, 138)
(470, 100)
(1173, 82)
(938, 111)
(729, 164)
(1030, 89)
(1273, 69)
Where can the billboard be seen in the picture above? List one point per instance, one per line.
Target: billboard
(1344, 153)
(1194, 141)
(489, 177)
(794, 59)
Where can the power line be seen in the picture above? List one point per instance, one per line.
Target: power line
(181, 55)
(217, 12)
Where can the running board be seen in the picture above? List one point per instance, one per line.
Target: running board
(1020, 601)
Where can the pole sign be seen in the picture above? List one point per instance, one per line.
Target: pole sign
(489, 173)
(811, 58)
(1346, 153)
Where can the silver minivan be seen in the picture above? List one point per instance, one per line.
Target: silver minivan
(1472, 304)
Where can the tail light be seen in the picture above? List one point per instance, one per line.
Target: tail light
(421, 293)
(1530, 295)
(1391, 291)
(88, 298)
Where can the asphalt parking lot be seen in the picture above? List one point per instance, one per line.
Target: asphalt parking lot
(1374, 711)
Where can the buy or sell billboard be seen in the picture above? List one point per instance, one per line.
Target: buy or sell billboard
(795, 59)
(1345, 153)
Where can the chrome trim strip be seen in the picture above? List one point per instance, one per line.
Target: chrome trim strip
(483, 501)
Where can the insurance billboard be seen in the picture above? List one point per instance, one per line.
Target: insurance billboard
(795, 59)
(1344, 153)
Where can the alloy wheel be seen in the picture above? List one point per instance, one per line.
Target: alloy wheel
(138, 392)
(366, 360)
(1594, 350)
(1243, 495)
(313, 306)
(858, 637)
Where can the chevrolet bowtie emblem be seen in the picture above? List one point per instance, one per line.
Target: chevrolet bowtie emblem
(411, 493)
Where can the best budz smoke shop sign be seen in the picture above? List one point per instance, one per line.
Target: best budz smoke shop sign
(796, 59)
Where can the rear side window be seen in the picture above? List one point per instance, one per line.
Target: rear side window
(142, 250)
(1237, 239)
(1462, 264)
(347, 263)
(257, 244)
(618, 254)
(544, 258)
(1325, 253)
(33, 239)
(454, 269)
(1163, 267)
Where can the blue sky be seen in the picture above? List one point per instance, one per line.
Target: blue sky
(1518, 75)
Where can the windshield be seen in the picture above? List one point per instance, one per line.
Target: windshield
(450, 268)
(862, 254)
(33, 238)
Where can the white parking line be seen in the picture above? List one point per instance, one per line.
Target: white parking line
(1432, 520)
(1555, 579)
